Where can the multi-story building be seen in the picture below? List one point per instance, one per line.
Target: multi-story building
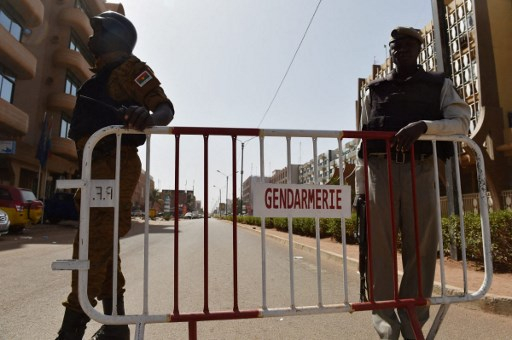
(281, 176)
(199, 206)
(326, 163)
(43, 61)
(475, 49)
(248, 193)
(186, 201)
(139, 194)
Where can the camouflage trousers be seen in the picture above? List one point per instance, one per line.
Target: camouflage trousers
(101, 229)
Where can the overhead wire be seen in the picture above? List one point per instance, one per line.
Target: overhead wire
(290, 64)
(287, 70)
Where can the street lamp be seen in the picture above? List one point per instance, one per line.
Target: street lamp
(227, 181)
(220, 196)
(242, 181)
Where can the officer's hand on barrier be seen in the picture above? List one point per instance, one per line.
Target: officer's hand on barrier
(358, 200)
(409, 134)
(137, 117)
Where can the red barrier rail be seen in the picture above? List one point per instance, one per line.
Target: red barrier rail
(192, 318)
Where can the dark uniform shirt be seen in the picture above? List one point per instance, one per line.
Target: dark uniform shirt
(124, 82)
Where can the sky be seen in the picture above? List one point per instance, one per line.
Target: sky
(221, 62)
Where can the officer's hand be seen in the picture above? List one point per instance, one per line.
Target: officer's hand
(137, 117)
(409, 134)
(358, 200)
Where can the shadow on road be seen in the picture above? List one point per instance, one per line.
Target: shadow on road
(155, 227)
(64, 233)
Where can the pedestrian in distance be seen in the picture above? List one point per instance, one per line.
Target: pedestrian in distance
(122, 91)
(412, 102)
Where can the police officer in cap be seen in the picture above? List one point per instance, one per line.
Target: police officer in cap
(410, 102)
(122, 91)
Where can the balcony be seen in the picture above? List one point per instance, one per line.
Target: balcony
(116, 7)
(13, 121)
(32, 11)
(64, 147)
(96, 6)
(74, 61)
(59, 102)
(470, 204)
(16, 57)
(78, 20)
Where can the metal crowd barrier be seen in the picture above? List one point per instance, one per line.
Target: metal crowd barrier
(105, 193)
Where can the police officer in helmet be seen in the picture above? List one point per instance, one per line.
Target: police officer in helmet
(122, 91)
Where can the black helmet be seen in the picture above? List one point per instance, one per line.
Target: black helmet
(117, 28)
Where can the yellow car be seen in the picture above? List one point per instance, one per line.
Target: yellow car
(4, 222)
(21, 205)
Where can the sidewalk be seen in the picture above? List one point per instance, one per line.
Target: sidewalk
(497, 300)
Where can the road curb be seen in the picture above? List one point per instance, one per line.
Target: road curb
(490, 303)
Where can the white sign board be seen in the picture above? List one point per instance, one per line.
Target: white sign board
(101, 194)
(300, 200)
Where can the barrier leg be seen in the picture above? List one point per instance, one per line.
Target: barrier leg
(413, 318)
(192, 330)
(441, 314)
(139, 331)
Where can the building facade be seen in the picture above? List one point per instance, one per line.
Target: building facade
(139, 195)
(281, 176)
(186, 201)
(43, 61)
(325, 166)
(248, 184)
(475, 48)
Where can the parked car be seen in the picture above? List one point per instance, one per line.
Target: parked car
(137, 212)
(188, 215)
(21, 205)
(4, 222)
(61, 206)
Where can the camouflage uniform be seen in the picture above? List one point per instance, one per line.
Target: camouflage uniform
(125, 82)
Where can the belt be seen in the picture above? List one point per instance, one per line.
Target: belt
(401, 157)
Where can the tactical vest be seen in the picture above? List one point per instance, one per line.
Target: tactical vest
(396, 103)
(89, 116)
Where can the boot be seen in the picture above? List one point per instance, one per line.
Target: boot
(73, 325)
(112, 332)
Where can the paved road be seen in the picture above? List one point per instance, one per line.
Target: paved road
(31, 293)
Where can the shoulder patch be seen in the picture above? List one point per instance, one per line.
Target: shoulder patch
(143, 78)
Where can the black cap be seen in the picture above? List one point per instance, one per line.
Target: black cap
(406, 32)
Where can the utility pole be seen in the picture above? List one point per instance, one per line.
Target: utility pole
(242, 182)
(220, 196)
(227, 183)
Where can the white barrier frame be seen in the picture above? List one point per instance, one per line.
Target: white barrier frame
(82, 264)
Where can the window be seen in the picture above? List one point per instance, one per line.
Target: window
(71, 85)
(7, 81)
(75, 44)
(64, 127)
(10, 24)
(83, 6)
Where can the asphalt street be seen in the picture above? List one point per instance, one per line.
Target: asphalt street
(30, 302)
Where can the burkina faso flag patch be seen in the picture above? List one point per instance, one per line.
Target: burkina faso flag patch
(143, 78)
